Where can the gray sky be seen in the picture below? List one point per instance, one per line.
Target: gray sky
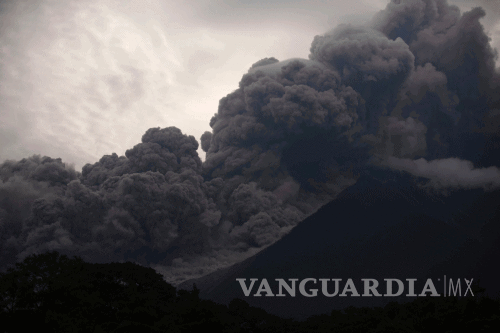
(80, 79)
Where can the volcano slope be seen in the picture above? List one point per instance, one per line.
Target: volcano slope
(385, 226)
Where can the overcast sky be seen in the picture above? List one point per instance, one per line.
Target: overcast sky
(82, 79)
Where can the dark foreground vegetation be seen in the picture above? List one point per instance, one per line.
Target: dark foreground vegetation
(53, 293)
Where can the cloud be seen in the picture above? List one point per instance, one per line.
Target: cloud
(449, 173)
(89, 67)
(456, 44)
(400, 137)
(272, 65)
(205, 141)
(361, 54)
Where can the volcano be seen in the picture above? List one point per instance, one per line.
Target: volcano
(386, 226)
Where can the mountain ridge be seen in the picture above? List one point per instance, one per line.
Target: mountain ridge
(384, 226)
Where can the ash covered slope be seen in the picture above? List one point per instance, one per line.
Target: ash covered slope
(385, 226)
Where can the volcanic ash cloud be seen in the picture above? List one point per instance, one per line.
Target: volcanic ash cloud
(415, 89)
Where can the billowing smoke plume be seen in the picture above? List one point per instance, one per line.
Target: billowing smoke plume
(416, 89)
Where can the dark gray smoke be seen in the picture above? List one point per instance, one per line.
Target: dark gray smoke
(416, 89)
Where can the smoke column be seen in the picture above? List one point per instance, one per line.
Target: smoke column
(415, 89)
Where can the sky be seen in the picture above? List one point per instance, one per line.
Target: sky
(83, 79)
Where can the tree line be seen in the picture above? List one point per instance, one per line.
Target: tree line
(54, 293)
